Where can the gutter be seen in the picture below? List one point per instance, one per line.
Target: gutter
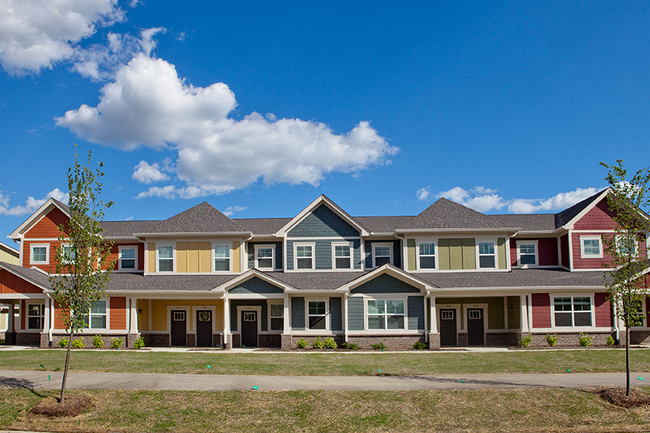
(459, 230)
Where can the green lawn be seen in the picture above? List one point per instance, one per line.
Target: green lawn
(345, 364)
(255, 411)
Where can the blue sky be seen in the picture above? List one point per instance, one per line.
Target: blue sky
(259, 107)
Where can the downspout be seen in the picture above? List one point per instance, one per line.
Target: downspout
(50, 330)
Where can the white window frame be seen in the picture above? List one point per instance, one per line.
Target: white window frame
(64, 259)
(495, 254)
(38, 262)
(582, 247)
(435, 254)
(27, 315)
(214, 258)
(636, 244)
(350, 256)
(120, 258)
(531, 265)
(374, 254)
(574, 295)
(327, 315)
(272, 247)
(106, 314)
(295, 255)
(385, 314)
(173, 259)
(281, 304)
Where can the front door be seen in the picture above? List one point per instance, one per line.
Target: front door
(249, 328)
(204, 328)
(448, 327)
(475, 329)
(179, 328)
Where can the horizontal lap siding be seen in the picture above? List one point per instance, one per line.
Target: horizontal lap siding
(250, 255)
(546, 254)
(355, 314)
(541, 303)
(336, 319)
(48, 226)
(114, 255)
(415, 306)
(580, 262)
(118, 312)
(397, 252)
(323, 252)
(298, 313)
(58, 316)
(598, 218)
(603, 310)
(564, 250)
(10, 283)
(27, 251)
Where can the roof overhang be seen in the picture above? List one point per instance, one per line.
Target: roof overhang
(35, 217)
(457, 230)
(392, 271)
(192, 234)
(25, 277)
(253, 273)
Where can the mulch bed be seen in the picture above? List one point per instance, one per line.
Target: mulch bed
(616, 396)
(74, 404)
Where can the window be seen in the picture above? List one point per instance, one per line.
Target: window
(316, 315)
(527, 253)
(447, 315)
(178, 316)
(572, 310)
(626, 245)
(69, 255)
(40, 254)
(221, 258)
(127, 258)
(35, 316)
(264, 257)
(342, 256)
(382, 254)
(474, 314)
(385, 314)
(166, 258)
(304, 256)
(486, 255)
(590, 247)
(427, 252)
(96, 318)
(639, 315)
(277, 317)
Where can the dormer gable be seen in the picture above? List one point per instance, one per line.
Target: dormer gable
(445, 214)
(44, 222)
(568, 217)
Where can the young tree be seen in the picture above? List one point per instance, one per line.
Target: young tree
(82, 266)
(627, 200)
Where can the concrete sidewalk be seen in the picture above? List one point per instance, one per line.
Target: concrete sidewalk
(214, 382)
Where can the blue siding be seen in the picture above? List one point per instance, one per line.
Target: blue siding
(323, 252)
(397, 252)
(251, 253)
(298, 313)
(255, 285)
(322, 222)
(233, 312)
(336, 318)
(385, 284)
(355, 314)
(416, 312)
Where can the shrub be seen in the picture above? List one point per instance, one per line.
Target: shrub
(551, 339)
(525, 341)
(350, 346)
(585, 340)
(138, 343)
(378, 346)
(610, 340)
(98, 342)
(329, 343)
(116, 343)
(317, 343)
(63, 342)
(420, 345)
(78, 343)
(301, 343)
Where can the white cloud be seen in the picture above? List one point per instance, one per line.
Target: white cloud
(37, 34)
(478, 198)
(147, 104)
(231, 210)
(423, 193)
(559, 201)
(31, 204)
(148, 173)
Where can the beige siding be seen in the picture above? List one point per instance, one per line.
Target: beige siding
(8, 257)
(193, 257)
(501, 252)
(236, 256)
(151, 257)
(411, 254)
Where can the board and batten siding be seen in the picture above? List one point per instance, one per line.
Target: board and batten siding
(456, 254)
(322, 222)
(323, 252)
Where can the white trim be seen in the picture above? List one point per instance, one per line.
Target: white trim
(374, 246)
(327, 314)
(572, 312)
(436, 260)
(258, 310)
(481, 306)
(477, 241)
(350, 245)
(195, 309)
(120, 248)
(42, 316)
(213, 258)
(456, 307)
(295, 255)
(528, 242)
(268, 308)
(188, 322)
(255, 258)
(35, 218)
(386, 297)
(582, 213)
(583, 255)
(166, 244)
(31, 254)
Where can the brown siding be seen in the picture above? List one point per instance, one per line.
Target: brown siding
(118, 313)
(58, 316)
(48, 226)
(603, 310)
(10, 283)
(541, 303)
(27, 251)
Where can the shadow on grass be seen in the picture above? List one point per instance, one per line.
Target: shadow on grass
(12, 382)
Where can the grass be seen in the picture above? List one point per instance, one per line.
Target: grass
(311, 411)
(338, 364)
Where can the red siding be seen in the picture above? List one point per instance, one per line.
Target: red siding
(115, 251)
(603, 310)
(48, 226)
(547, 254)
(118, 313)
(541, 303)
(587, 263)
(564, 251)
(598, 218)
(10, 283)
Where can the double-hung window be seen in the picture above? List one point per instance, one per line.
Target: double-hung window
(40, 254)
(127, 258)
(591, 247)
(626, 245)
(166, 258)
(427, 253)
(304, 256)
(316, 315)
(572, 310)
(385, 314)
(96, 318)
(342, 255)
(486, 255)
(276, 312)
(35, 313)
(382, 254)
(527, 253)
(221, 258)
(264, 258)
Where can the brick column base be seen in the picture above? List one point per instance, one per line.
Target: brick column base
(285, 342)
(229, 343)
(45, 339)
(130, 340)
(434, 341)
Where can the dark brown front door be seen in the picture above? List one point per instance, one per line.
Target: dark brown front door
(179, 328)
(448, 327)
(249, 328)
(475, 329)
(204, 328)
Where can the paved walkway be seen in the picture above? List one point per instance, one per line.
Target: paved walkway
(214, 382)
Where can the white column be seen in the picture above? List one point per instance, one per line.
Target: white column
(11, 327)
(134, 316)
(345, 317)
(226, 320)
(285, 316)
(530, 310)
(523, 313)
(433, 315)
(51, 331)
(46, 319)
(426, 321)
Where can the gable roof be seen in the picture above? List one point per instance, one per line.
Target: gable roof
(569, 216)
(125, 229)
(36, 216)
(445, 214)
(32, 275)
(261, 225)
(529, 222)
(202, 218)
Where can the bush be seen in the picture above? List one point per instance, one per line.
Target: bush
(116, 343)
(78, 343)
(585, 340)
(551, 339)
(301, 343)
(379, 346)
(98, 342)
(610, 340)
(63, 342)
(317, 343)
(329, 343)
(350, 346)
(138, 343)
(420, 345)
(525, 341)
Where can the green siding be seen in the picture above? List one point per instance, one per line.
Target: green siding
(415, 312)
(355, 314)
(469, 253)
(298, 313)
(501, 252)
(514, 312)
(385, 284)
(336, 319)
(456, 254)
(494, 310)
(443, 252)
(410, 251)
(255, 285)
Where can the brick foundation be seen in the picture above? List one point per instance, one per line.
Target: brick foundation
(156, 340)
(235, 340)
(462, 339)
(88, 339)
(289, 341)
(10, 338)
(569, 339)
(637, 337)
(434, 341)
(45, 340)
(130, 340)
(502, 339)
(190, 340)
(392, 342)
(270, 340)
(28, 339)
(216, 340)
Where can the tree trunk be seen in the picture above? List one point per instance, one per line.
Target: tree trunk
(627, 361)
(67, 364)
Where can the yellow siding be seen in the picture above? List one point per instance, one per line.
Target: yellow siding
(501, 252)
(410, 254)
(159, 312)
(236, 256)
(205, 257)
(193, 257)
(143, 314)
(151, 257)
(8, 258)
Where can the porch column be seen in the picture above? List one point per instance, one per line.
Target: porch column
(432, 316)
(133, 329)
(286, 325)
(46, 335)
(523, 313)
(10, 335)
(226, 323)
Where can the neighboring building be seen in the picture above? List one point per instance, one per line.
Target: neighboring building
(449, 276)
(11, 256)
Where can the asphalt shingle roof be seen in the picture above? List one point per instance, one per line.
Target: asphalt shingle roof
(127, 228)
(261, 225)
(449, 215)
(202, 218)
(315, 280)
(139, 282)
(567, 215)
(29, 274)
(529, 222)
